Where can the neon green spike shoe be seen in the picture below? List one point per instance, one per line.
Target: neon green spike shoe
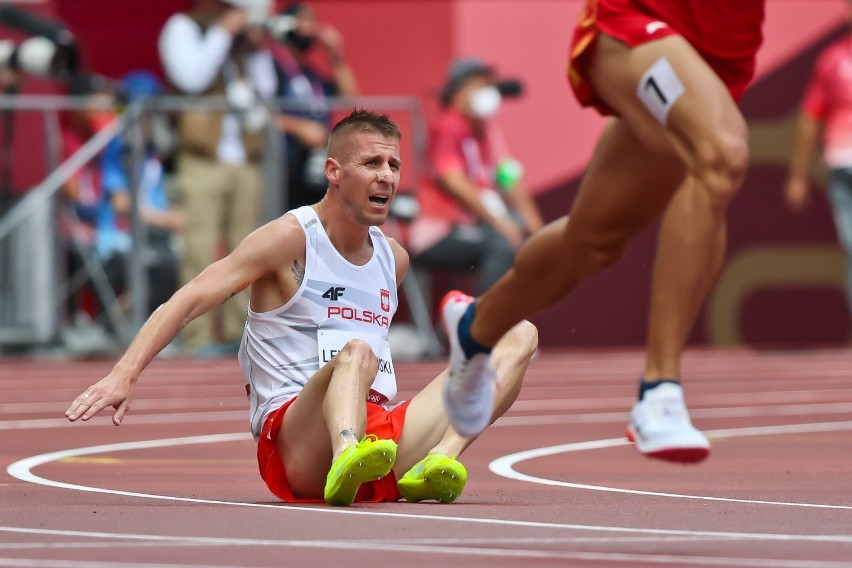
(368, 460)
(436, 477)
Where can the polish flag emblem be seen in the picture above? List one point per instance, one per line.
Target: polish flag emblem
(385, 300)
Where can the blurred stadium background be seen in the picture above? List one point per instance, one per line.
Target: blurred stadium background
(782, 285)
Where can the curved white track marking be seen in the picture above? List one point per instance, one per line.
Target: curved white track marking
(404, 546)
(504, 466)
(22, 470)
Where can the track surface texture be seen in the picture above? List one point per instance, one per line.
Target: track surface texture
(553, 483)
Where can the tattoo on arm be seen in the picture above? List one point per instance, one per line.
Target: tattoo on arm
(229, 297)
(298, 272)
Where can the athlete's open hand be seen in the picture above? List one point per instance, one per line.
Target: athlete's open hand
(111, 391)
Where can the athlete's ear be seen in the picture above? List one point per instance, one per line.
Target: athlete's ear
(332, 170)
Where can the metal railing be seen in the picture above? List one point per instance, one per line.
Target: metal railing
(44, 196)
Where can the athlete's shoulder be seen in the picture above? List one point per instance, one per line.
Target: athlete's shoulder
(277, 241)
(395, 246)
(400, 257)
(287, 226)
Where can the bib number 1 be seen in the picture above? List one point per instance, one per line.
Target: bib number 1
(659, 89)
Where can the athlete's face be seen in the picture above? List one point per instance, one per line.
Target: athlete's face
(366, 174)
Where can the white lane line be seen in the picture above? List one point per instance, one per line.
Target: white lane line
(365, 545)
(230, 402)
(22, 470)
(493, 541)
(162, 418)
(501, 541)
(728, 412)
(504, 466)
(41, 563)
(139, 403)
(79, 545)
(504, 421)
(706, 399)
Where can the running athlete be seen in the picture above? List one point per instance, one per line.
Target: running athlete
(670, 73)
(319, 375)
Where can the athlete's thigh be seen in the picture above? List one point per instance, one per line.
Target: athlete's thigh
(625, 187)
(669, 78)
(303, 441)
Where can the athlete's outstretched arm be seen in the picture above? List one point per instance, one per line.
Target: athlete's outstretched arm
(258, 254)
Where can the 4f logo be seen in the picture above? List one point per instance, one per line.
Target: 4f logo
(334, 293)
(385, 300)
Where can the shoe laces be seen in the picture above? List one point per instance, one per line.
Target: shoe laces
(368, 439)
(464, 384)
(671, 408)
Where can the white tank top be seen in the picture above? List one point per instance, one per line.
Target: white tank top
(337, 301)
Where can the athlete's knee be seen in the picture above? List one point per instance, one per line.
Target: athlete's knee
(358, 353)
(525, 336)
(721, 164)
(601, 253)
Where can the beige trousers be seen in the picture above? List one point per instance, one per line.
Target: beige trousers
(222, 205)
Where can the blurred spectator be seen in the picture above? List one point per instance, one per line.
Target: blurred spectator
(300, 80)
(161, 219)
(100, 199)
(88, 208)
(475, 210)
(215, 49)
(827, 109)
(10, 82)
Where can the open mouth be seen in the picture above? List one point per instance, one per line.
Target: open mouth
(379, 200)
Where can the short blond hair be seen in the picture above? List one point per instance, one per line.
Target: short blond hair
(363, 120)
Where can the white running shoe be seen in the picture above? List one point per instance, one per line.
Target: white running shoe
(469, 391)
(660, 427)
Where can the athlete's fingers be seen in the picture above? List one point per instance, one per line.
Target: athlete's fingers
(93, 405)
(77, 406)
(121, 410)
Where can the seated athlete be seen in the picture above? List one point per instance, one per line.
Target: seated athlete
(323, 282)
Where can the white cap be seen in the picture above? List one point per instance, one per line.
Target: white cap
(257, 11)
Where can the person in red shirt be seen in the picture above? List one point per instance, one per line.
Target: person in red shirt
(475, 209)
(670, 73)
(827, 109)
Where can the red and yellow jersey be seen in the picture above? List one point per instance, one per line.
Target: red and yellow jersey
(726, 34)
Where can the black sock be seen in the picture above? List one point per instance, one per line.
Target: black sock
(645, 385)
(469, 345)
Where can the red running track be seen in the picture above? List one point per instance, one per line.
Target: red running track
(551, 484)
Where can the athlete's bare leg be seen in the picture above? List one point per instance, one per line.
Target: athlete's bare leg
(427, 429)
(690, 254)
(614, 203)
(637, 167)
(328, 416)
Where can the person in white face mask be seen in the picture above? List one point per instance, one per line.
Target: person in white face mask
(475, 210)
